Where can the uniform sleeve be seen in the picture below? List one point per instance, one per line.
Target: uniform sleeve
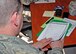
(2, 48)
(57, 51)
(1, 52)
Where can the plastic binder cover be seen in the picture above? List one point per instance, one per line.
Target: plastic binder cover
(54, 30)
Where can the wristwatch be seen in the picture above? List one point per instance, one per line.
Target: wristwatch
(56, 51)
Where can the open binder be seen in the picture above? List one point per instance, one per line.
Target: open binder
(56, 29)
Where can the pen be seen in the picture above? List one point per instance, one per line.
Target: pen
(49, 20)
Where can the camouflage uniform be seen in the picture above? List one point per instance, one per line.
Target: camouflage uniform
(14, 45)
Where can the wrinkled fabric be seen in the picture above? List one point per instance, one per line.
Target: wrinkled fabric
(72, 8)
(14, 45)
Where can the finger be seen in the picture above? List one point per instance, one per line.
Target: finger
(45, 40)
(45, 49)
(49, 39)
(44, 44)
(59, 44)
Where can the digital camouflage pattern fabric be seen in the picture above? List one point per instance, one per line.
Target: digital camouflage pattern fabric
(14, 45)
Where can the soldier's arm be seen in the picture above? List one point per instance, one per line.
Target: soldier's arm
(57, 47)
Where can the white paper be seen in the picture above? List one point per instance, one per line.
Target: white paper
(48, 13)
(45, 1)
(54, 31)
(52, 1)
(70, 30)
(73, 22)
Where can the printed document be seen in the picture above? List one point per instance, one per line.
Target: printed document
(54, 30)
